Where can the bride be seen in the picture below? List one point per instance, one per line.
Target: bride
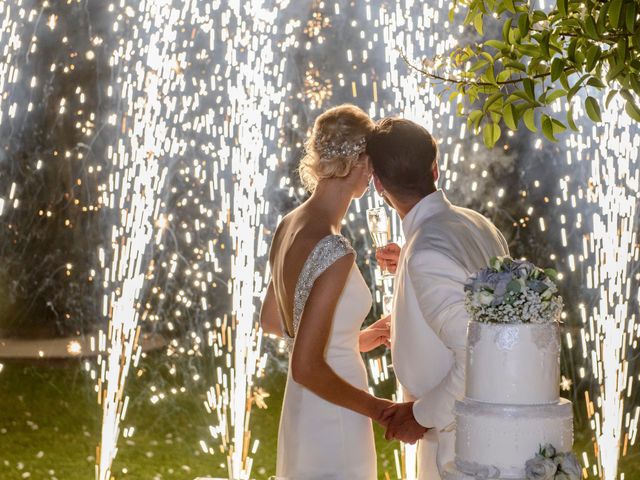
(317, 300)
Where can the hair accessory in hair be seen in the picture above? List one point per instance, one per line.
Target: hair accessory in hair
(328, 149)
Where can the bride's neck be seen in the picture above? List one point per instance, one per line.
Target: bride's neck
(332, 197)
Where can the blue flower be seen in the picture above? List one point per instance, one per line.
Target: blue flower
(520, 268)
(540, 468)
(537, 286)
(485, 279)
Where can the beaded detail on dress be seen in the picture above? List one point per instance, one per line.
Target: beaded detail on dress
(327, 251)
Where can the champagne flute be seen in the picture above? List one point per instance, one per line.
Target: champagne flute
(387, 304)
(378, 222)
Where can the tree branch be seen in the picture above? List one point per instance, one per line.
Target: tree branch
(611, 38)
(475, 83)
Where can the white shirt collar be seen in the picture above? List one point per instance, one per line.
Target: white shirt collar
(427, 207)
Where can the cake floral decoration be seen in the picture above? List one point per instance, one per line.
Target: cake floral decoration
(548, 464)
(513, 291)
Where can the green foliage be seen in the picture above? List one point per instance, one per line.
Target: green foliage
(540, 58)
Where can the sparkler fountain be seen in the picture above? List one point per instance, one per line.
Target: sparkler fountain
(14, 19)
(610, 333)
(253, 118)
(10, 43)
(139, 150)
(252, 111)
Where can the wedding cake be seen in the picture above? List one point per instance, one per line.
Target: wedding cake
(512, 424)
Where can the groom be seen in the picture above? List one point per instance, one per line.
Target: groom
(444, 245)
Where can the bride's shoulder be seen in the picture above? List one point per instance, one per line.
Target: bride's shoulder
(323, 243)
(333, 246)
(300, 232)
(317, 238)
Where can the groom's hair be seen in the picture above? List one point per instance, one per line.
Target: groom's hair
(403, 155)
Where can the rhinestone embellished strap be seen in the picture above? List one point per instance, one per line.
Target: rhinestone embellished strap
(328, 250)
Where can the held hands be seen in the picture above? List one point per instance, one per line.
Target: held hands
(401, 424)
(376, 334)
(387, 257)
(380, 406)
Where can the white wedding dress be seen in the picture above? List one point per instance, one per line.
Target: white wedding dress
(318, 439)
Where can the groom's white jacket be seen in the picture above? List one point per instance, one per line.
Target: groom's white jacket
(444, 245)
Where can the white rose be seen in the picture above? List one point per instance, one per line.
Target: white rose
(484, 297)
(570, 466)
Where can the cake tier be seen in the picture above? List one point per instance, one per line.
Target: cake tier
(506, 436)
(513, 363)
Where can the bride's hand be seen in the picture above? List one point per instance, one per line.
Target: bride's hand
(381, 404)
(376, 334)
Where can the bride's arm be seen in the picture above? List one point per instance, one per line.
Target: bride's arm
(270, 319)
(308, 364)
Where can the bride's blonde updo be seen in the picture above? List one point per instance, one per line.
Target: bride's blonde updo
(337, 140)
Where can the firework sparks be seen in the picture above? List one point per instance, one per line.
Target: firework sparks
(316, 24)
(205, 96)
(138, 152)
(10, 43)
(317, 90)
(250, 117)
(613, 246)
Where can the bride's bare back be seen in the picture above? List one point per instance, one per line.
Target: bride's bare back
(296, 236)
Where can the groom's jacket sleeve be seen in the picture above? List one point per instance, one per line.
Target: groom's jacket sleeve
(438, 283)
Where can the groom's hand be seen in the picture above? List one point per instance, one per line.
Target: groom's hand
(387, 257)
(376, 334)
(401, 424)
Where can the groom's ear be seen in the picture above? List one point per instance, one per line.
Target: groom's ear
(435, 171)
(377, 184)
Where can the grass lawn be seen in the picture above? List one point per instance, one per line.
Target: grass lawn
(50, 424)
